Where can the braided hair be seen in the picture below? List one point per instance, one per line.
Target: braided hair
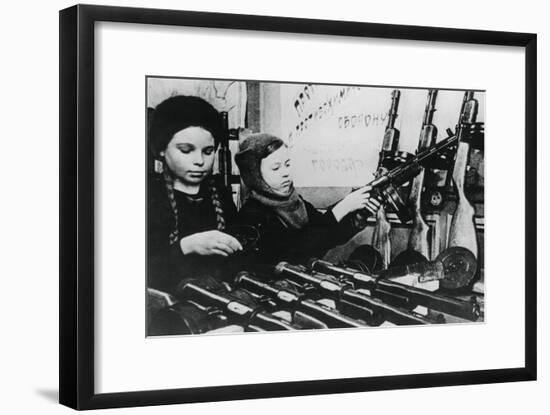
(220, 220)
(171, 116)
(173, 237)
(214, 196)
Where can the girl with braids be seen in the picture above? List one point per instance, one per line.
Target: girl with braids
(188, 210)
(290, 228)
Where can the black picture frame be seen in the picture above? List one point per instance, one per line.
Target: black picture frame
(77, 172)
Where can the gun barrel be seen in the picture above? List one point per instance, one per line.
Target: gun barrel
(428, 133)
(404, 173)
(391, 134)
(430, 107)
(392, 114)
(469, 310)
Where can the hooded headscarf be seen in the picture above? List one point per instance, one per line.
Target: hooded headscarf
(290, 208)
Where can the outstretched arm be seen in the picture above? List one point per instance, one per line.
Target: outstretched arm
(356, 200)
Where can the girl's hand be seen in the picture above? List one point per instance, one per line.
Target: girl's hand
(357, 200)
(210, 243)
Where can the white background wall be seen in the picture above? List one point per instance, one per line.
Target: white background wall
(29, 208)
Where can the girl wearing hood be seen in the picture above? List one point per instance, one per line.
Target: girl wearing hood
(290, 228)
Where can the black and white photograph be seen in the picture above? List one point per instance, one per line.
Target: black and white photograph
(289, 205)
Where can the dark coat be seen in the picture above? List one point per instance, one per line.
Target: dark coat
(166, 264)
(279, 243)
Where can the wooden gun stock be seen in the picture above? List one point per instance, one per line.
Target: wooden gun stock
(381, 237)
(418, 238)
(462, 231)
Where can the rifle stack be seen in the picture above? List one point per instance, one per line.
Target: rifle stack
(319, 295)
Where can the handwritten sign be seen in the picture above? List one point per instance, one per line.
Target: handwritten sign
(335, 132)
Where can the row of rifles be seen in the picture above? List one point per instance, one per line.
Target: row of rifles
(319, 295)
(403, 192)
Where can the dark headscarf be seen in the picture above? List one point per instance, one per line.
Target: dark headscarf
(289, 208)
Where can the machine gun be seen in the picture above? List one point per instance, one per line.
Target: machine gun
(385, 186)
(399, 294)
(381, 234)
(462, 231)
(250, 317)
(418, 238)
(305, 312)
(349, 301)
